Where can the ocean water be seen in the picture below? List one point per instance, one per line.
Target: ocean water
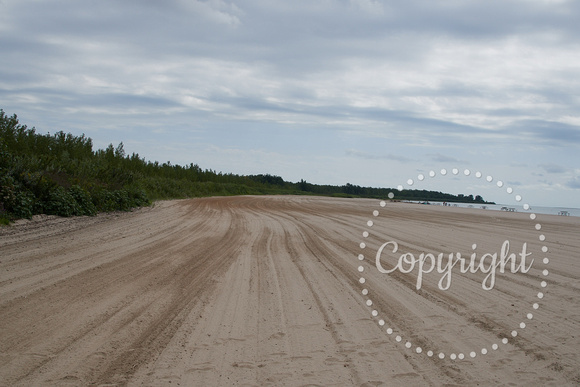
(571, 211)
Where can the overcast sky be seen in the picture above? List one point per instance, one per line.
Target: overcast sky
(365, 92)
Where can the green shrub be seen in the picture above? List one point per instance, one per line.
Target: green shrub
(15, 199)
(4, 216)
(119, 200)
(60, 202)
(23, 204)
(83, 199)
(7, 191)
(104, 200)
(122, 200)
(138, 197)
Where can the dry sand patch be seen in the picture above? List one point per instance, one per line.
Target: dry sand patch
(266, 291)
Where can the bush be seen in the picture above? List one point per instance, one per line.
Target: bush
(119, 200)
(23, 204)
(61, 202)
(122, 200)
(84, 200)
(138, 197)
(4, 217)
(104, 200)
(15, 199)
(7, 191)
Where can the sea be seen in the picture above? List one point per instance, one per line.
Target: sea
(563, 211)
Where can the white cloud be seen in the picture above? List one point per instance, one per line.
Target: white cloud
(372, 156)
(218, 11)
(372, 7)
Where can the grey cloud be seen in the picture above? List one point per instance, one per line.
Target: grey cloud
(437, 157)
(129, 101)
(301, 32)
(553, 168)
(398, 123)
(574, 183)
(425, 127)
(114, 101)
(549, 131)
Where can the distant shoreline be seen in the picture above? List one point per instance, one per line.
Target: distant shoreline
(545, 210)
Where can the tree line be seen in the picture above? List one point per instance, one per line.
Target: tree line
(61, 174)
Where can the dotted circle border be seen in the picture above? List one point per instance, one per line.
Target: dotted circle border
(484, 350)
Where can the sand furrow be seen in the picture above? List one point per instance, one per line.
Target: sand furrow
(266, 291)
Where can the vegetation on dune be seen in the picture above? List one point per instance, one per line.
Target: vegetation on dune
(61, 174)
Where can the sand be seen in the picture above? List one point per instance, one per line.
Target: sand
(266, 291)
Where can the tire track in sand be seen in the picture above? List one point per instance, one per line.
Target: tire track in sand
(252, 291)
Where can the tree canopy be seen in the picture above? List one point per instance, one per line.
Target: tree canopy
(61, 174)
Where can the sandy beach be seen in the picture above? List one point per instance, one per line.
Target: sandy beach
(287, 291)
